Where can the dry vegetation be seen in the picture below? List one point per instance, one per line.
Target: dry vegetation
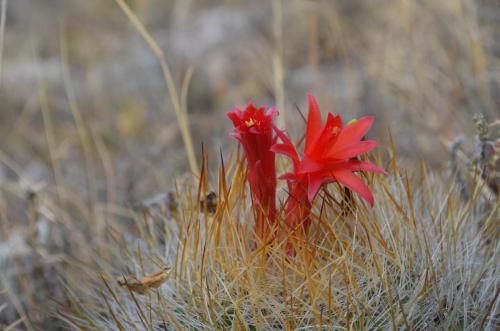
(422, 259)
(95, 115)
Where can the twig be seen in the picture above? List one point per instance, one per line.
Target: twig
(181, 114)
(3, 16)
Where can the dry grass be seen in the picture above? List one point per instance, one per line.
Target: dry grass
(419, 260)
(77, 155)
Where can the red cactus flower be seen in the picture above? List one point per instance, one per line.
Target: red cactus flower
(329, 156)
(253, 128)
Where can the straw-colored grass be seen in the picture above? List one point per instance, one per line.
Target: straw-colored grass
(77, 153)
(419, 260)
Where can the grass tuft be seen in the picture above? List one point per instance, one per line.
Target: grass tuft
(419, 260)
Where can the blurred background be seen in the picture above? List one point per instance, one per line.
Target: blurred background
(84, 105)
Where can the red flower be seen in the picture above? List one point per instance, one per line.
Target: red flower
(253, 128)
(329, 156)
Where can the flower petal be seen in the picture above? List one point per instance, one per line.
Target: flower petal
(356, 165)
(234, 115)
(353, 165)
(313, 187)
(309, 165)
(287, 150)
(272, 112)
(354, 132)
(235, 135)
(290, 150)
(282, 135)
(351, 150)
(288, 176)
(313, 123)
(326, 137)
(352, 182)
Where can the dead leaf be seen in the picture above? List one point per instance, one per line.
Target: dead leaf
(148, 282)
